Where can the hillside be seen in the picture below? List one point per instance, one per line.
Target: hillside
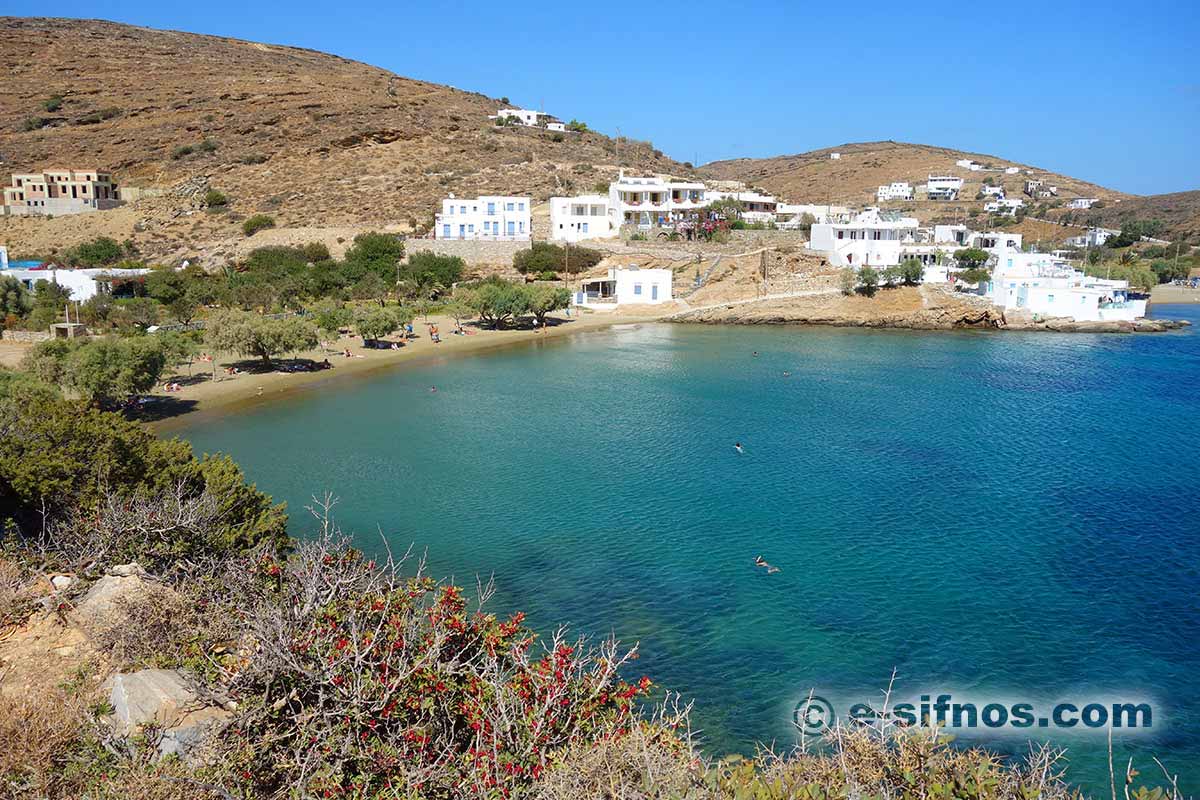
(311, 138)
(814, 177)
(1179, 212)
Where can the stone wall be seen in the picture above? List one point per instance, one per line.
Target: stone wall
(472, 251)
(25, 336)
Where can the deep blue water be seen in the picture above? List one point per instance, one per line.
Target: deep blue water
(1005, 516)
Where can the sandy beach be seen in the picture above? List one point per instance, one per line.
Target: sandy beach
(200, 395)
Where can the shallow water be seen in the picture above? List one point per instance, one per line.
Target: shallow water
(999, 515)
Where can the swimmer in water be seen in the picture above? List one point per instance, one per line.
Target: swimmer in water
(738, 446)
(432, 389)
(787, 374)
(756, 354)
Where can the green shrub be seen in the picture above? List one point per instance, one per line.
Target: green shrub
(52, 103)
(548, 257)
(253, 158)
(868, 281)
(257, 223)
(182, 151)
(99, 116)
(34, 123)
(207, 146)
(557, 137)
(214, 198)
(100, 252)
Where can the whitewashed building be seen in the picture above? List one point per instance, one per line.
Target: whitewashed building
(574, 219)
(529, 118)
(967, 163)
(897, 190)
(835, 156)
(1083, 202)
(961, 236)
(790, 216)
(1095, 237)
(3, 257)
(651, 201)
(873, 238)
(943, 187)
(84, 284)
(625, 286)
(755, 206)
(1047, 286)
(1004, 206)
(489, 217)
(993, 191)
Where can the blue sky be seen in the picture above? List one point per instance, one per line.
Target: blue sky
(1102, 91)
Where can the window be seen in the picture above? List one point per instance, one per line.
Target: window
(451, 211)
(840, 234)
(491, 209)
(487, 226)
(1049, 298)
(511, 228)
(583, 227)
(446, 231)
(520, 206)
(637, 288)
(508, 206)
(471, 228)
(462, 209)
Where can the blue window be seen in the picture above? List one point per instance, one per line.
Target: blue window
(445, 231)
(583, 227)
(637, 288)
(491, 209)
(1049, 298)
(451, 210)
(654, 291)
(521, 226)
(520, 206)
(462, 209)
(512, 228)
(508, 206)
(471, 228)
(462, 231)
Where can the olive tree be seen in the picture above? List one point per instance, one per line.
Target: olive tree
(544, 299)
(255, 336)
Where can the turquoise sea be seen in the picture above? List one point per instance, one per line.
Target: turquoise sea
(996, 516)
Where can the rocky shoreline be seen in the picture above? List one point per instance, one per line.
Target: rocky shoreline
(913, 308)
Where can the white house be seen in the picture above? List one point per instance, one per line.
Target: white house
(897, 190)
(993, 191)
(789, 216)
(3, 257)
(1003, 206)
(625, 286)
(652, 200)
(1049, 287)
(1083, 202)
(487, 217)
(574, 219)
(873, 238)
(960, 236)
(835, 156)
(1011, 170)
(529, 118)
(84, 284)
(756, 206)
(1095, 237)
(943, 187)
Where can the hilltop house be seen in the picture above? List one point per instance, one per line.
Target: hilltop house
(530, 119)
(574, 219)
(898, 190)
(487, 217)
(1004, 206)
(1095, 237)
(629, 286)
(60, 192)
(873, 238)
(790, 216)
(961, 236)
(1083, 202)
(993, 191)
(943, 187)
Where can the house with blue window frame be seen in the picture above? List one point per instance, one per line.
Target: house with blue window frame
(494, 217)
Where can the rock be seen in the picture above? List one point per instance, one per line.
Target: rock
(126, 570)
(163, 698)
(100, 602)
(61, 582)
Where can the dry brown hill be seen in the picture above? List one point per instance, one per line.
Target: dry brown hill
(814, 177)
(311, 138)
(1179, 212)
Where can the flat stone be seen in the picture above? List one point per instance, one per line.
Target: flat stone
(61, 582)
(162, 697)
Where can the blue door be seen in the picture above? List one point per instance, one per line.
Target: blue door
(654, 291)
(462, 231)
(445, 231)
(512, 228)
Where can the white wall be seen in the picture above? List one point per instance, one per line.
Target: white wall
(574, 219)
(486, 217)
(3, 257)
